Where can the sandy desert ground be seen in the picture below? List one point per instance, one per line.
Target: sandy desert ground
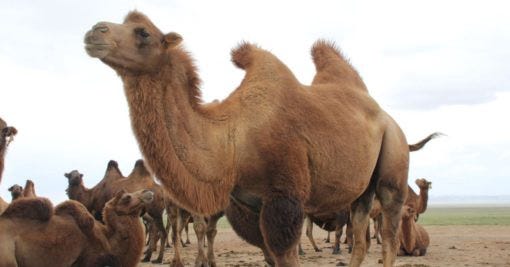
(486, 245)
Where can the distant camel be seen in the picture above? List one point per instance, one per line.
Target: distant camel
(328, 223)
(414, 240)
(417, 202)
(17, 191)
(7, 133)
(140, 178)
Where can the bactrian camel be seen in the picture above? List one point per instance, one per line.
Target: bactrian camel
(17, 191)
(33, 234)
(113, 181)
(276, 147)
(417, 202)
(414, 240)
(6, 135)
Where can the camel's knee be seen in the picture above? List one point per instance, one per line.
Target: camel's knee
(282, 221)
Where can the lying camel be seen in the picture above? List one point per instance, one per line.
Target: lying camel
(7, 133)
(31, 235)
(113, 181)
(417, 202)
(294, 148)
(413, 238)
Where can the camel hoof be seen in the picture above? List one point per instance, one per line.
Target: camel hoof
(326, 241)
(187, 242)
(157, 261)
(176, 263)
(336, 251)
(145, 259)
(318, 250)
(301, 253)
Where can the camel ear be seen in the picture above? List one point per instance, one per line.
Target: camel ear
(81, 175)
(172, 39)
(67, 175)
(11, 188)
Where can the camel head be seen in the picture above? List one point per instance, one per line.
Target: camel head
(74, 178)
(7, 133)
(16, 191)
(408, 212)
(130, 203)
(423, 184)
(135, 46)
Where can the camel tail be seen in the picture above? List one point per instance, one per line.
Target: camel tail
(422, 143)
(242, 55)
(39, 209)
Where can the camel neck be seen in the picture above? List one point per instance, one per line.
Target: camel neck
(423, 200)
(125, 235)
(192, 154)
(81, 194)
(409, 233)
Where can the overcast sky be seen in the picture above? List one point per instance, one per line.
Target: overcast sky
(433, 65)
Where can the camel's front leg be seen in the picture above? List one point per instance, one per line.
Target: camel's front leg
(281, 221)
(200, 226)
(211, 234)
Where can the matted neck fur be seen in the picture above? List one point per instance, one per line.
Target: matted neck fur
(297, 148)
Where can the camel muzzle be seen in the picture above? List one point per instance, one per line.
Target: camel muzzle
(96, 43)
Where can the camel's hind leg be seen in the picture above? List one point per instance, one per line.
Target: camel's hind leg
(281, 221)
(393, 166)
(360, 210)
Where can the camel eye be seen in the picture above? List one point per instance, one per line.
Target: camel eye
(126, 199)
(142, 32)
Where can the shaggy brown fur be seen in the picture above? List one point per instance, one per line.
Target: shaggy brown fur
(297, 148)
(76, 190)
(414, 240)
(32, 235)
(3, 205)
(6, 135)
(140, 178)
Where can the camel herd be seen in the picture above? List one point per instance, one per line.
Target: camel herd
(273, 155)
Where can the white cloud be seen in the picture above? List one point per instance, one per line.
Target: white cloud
(435, 66)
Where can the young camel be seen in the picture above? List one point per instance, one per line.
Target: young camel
(414, 240)
(31, 235)
(293, 148)
(96, 198)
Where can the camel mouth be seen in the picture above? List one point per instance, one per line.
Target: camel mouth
(98, 50)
